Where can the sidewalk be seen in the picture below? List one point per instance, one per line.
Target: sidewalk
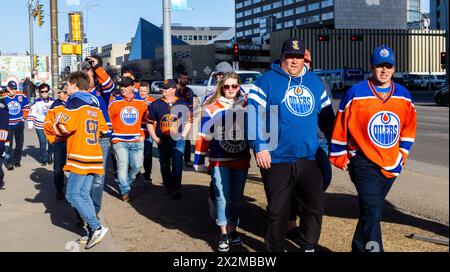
(33, 220)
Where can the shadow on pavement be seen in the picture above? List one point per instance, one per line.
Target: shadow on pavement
(346, 206)
(32, 151)
(61, 213)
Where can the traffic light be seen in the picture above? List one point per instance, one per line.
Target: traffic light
(40, 14)
(443, 60)
(357, 38)
(235, 51)
(323, 38)
(35, 61)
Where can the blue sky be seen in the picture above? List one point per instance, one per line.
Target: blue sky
(111, 21)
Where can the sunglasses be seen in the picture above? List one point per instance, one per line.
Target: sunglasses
(44, 91)
(227, 87)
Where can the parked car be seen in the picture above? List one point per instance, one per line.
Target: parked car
(248, 78)
(436, 81)
(441, 96)
(156, 87)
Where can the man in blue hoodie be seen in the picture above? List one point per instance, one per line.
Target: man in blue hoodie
(290, 103)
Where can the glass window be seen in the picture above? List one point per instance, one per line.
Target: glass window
(279, 26)
(277, 4)
(300, 10)
(239, 24)
(248, 22)
(327, 3)
(248, 3)
(278, 15)
(248, 32)
(248, 12)
(256, 10)
(239, 15)
(288, 12)
(256, 20)
(327, 16)
(267, 7)
(209, 37)
(313, 6)
(195, 37)
(240, 34)
(288, 2)
(256, 1)
(239, 5)
(288, 24)
(190, 37)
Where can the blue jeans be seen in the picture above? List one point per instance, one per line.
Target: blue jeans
(372, 189)
(78, 193)
(229, 187)
(148, 158)
(99, 180)
(60, 157)
(129, 158)
(15, 132)
(43, 146)
(324, 163)
(171, 160)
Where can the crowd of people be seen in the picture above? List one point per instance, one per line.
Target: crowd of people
(286, 119)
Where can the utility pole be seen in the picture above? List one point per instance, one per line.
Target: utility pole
(55, 44)
(31, 18)
(168, 71)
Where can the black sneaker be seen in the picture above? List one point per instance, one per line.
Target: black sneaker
(2, 184)
(293, 234)
(148, 179)
(235, 240)
(176, 195)
(43, 164)
(9, 167)
(188, 164)
(224, 243)
(49, 160)
(17, 165)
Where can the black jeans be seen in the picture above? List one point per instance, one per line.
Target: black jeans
(148, 158)
(301, 180)
(60, 156)
(16, 133)
(171, 160)
(372, 189)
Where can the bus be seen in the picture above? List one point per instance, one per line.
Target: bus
(341, 79)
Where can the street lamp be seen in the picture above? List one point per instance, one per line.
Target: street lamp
(429, 45)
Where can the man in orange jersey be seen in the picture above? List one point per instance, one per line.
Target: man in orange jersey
(374, 131)
(127, 113)
(144, 92)
(83, 122)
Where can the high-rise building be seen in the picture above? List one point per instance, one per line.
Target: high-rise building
(439, 14)
(197, 35)
(255, 19)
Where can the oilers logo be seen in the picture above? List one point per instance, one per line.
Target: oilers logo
(235, 144)
(300, 101)
(384, 129)
(45, 110)
(129, 116)
(14, 108)
(169, 124)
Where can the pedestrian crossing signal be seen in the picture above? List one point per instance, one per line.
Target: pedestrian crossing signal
(357, 38)
(235, 51)
(324, 38)
(443, 60)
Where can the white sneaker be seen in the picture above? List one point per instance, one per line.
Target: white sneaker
(97, 237)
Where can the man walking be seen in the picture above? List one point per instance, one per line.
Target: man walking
(287, 159)
(127, 112)
(144, 92)
(18, 107)
(185, 93)
(4, 127)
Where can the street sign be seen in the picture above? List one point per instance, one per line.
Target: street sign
(207, 70)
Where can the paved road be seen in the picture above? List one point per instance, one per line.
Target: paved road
(31, 218)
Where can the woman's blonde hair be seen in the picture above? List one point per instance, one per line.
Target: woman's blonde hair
(219, 90)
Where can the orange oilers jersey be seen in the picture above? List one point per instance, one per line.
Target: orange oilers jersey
(52, 114)
(82, 121)
(127, 118)
(383, 130)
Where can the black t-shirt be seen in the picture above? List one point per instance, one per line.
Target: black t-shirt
(169, 117)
